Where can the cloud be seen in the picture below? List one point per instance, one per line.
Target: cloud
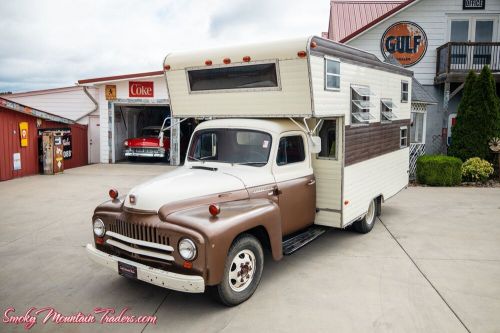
(53, 43)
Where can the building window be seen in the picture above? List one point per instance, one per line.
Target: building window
(386, 108)
(328, 135)
(417, 127)
(290, 150)
(360, 105)
(234, 77)
(332, 74)
(403, 137)
(404, 91)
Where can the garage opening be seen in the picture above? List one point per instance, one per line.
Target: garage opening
(137, 134)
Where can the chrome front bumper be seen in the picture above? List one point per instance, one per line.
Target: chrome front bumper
(145, 153)
(169, 280)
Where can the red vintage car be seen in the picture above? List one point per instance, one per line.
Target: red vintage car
(148, 144)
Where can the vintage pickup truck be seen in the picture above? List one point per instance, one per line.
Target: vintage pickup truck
(300, 135)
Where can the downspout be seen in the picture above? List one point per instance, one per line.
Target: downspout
(96, 105)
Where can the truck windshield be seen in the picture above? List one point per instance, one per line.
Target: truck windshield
(237, 146)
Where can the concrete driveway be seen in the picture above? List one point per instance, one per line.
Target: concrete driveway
(433, 265)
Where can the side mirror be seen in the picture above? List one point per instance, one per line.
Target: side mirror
(314, 144)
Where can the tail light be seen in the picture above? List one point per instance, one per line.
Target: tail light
(113, 193)
(214, 209)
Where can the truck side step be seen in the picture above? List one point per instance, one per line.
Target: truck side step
(297, 241)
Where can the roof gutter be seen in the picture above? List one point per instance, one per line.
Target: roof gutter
(96, 105)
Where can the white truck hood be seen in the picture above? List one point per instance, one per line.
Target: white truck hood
(184, 183)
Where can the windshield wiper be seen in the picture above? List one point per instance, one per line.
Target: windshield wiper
(252, 163)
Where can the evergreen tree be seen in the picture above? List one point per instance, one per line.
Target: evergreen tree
(478, 118)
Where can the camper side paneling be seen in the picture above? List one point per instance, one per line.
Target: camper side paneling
(383, 175)
(293, 98)
(383, 85)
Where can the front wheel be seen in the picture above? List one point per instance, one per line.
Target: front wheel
(242, 272)
(365, 225)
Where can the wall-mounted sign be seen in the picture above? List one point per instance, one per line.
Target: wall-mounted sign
(17, 161)
(473, 4)
(110, 92)
(66, 140)
(406, 41)
(140, 89)
(23, 131)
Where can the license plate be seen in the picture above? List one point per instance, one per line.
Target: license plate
(127, 270)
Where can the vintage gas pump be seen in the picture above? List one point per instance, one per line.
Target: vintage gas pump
(52, 147)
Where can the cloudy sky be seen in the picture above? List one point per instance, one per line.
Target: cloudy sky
(54, 43)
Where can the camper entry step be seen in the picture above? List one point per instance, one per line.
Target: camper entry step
(292, 244)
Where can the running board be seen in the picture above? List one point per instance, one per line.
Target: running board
(296, 242)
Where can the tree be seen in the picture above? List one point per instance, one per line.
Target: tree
(478, 118)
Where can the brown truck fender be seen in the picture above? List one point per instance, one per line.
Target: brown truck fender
(235, 218)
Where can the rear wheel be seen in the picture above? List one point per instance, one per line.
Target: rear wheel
(365, 225)
(242, 272)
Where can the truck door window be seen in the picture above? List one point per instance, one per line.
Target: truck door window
(206, 147)
(328, 134)
(290, 150)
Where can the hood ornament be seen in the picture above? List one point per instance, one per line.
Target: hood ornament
(132, 199)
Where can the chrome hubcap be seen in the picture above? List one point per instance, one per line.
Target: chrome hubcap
(242, 270)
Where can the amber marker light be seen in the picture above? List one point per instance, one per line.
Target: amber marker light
(346, 202)
(99, 240)
(246, 59)
(188, 264)
(227, 61)
(208, 62)
(113, 193)
(313, 45)
(214, 209)
(166, 67)
(301, 54)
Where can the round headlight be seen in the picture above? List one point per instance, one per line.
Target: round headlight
(187, 249)
(99, 229)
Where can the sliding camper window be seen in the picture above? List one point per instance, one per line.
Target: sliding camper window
(328, 135)
(360, 104)
(332, 74)
(386, 110)
(290, 150)
(255, 76)
(404, 91)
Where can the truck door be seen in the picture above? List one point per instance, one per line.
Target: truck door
(295, 181)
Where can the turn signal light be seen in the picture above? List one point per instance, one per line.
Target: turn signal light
(99, 240)
(301, 54)
(113, 193)
(227, 61)
(166, 67)
(246, 59)
(208, 62)
(214, 209)
(188, 264)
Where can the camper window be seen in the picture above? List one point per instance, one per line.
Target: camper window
(255, 76)
(404, 91)
(403, 137)
(332, 74)
(386, 108)
(328, 135)
(360, 104)
(290, 150)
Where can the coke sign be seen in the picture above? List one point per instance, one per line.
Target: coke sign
(406, 41)
(140, 89)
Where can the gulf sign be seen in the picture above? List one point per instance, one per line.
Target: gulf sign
(140, 89)
(405, 41)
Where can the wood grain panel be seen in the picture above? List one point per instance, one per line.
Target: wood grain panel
(365, 142)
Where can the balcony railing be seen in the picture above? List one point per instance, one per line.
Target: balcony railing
(456, 57)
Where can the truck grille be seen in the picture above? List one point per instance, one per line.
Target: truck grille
(145, 150)
(140, 232)
(139, 241)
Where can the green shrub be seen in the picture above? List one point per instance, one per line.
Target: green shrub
(439, 170)
(476, 170)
